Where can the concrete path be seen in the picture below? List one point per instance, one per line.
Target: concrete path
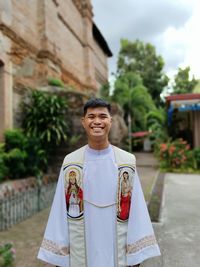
(27, 235)
(145, 159)
(179, 231)
(147, 167)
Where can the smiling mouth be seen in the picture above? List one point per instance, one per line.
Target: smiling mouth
(97, 128)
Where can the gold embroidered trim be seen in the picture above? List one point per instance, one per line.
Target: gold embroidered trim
(142, 243)
(54, 248)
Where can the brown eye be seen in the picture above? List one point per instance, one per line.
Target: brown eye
(104, 117)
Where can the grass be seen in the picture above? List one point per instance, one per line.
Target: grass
(156, 198)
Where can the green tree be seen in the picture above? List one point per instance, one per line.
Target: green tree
(142, 59)
(157, 125)
(183, 84)
(105, 92)
(134, 98)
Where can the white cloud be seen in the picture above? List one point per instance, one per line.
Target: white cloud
(172, 26)
(192, 54)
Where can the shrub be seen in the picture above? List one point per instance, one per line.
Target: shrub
(15, 162)
(3, 168)
(55, 82)
(44, 118)
(23, 156)
(36, 160)
(176, 155)
(197, 157)
(7, 255)
(14, 139)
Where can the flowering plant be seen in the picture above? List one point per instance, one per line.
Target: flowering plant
(176, 155)
(7, 255)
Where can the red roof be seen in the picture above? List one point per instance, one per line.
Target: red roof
(182, 97)
(140, 134)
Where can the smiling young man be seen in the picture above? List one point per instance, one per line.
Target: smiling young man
(108, 224)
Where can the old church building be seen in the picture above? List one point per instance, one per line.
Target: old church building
(48, 38)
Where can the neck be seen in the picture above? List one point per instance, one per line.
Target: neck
(98, 145)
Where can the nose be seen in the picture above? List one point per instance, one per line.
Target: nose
(97, 120)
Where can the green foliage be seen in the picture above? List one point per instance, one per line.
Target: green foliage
(183, 84)
(55, 82)
(36, 160)
(73, 140)
(176, 155)
(196, 89)
(44, 118)
(197, 157)
(14, 156)
(141, 104)
(105, 92)
(14, 139)
(157, 125)
(15, 161)
(123, 87)
(22, 156)
(7, 255)
(142, 60)
(133, 98)
(3, 168)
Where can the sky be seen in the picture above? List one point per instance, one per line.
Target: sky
(172, 26)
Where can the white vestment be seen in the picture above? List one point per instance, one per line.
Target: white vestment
(100, 193)
(111, 225)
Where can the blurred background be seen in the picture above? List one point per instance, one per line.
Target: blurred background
(142, 57)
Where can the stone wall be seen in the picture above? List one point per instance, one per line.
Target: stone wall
(100, 65)
(56, 40)
(47, 38)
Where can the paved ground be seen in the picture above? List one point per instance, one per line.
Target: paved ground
(145, 159)
(179, 231)
(27, 235)
(147, 167)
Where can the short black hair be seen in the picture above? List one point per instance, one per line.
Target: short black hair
(96, 103)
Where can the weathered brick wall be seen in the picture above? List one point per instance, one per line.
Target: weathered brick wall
(52, 37)
(100, 64)
(23, 16)
(47, 38)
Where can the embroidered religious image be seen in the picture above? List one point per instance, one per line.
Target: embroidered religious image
(125, 186)
(73, 192)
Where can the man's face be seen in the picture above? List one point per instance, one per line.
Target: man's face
(97, 123)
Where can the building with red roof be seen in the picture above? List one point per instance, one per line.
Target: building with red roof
(184, 117)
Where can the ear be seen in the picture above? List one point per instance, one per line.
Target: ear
(83, 121)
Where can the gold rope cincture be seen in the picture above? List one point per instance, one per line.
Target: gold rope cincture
(100, 206)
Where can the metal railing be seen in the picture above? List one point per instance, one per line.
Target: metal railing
(18, 207)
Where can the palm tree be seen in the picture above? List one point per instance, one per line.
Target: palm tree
(157, 124)
(135, 100)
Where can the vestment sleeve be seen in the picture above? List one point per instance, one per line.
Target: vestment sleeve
(141, 241)
(55, 245)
